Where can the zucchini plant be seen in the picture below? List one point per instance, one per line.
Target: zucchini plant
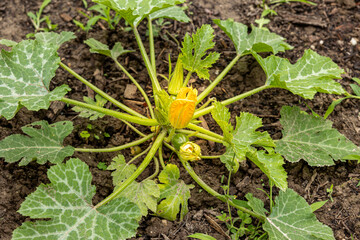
(66, 202)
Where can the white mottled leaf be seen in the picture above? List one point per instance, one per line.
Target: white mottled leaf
(67, 202)
(271, 165)
(134, 11)
(8, 43)
(175, 12)
(54, 38)
(292, 219)
(312, 73)
(25, 75)
(312, 139)
(259, 40)
(43, 144)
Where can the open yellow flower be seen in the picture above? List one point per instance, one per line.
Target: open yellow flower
(183, 108)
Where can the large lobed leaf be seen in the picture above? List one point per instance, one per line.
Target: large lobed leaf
(134, 11)
(173, 192)
(312, 138)
(259, 40)
(67, 201)
(26, 72)
(145, 194)
(292, 219)
(243, 141)
(175, 12)
(312, 73)
(194, 50)
(43, 144)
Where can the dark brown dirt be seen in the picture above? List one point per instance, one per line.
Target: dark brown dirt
(327, 28)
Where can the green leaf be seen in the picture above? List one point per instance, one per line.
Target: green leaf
(312, 73)
(317, 205)
(271, 165)
(246, 136)
(67, 201)
(222, 117)
(312, 139)
(25, 75)
(43, 144)
(292, 219)
(356, 89)
(201, 236)
(54, 38)
(100, 48)
(91, 114)
(229, 158)
(135, 11)
(194, 51)
(122, 170)
(259, 40)
(175, 12)
(145, 194)
(8, 43)
(256, 204)
(174, 193)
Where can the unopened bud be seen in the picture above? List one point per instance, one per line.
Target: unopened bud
(177, 79)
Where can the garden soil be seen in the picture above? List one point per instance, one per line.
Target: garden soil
(332, 28)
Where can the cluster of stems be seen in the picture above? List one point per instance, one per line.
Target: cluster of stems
(131, 117)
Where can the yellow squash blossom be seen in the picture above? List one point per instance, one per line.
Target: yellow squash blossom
(190, 151)
(182, 109)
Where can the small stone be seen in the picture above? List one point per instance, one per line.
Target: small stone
(130, 91)
(353, 41)
(66, 17)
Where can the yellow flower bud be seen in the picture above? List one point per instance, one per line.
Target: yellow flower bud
(183, 107)
(177, 79)
(190, 151)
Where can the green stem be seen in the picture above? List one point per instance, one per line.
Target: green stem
(138, 86)
(210, 157)
(151, 45)
(100, 92)
(156, 161)
(151, 71)
(139, 155)
(161, 158)
(138, 171)
(118, 148)
(188, 76)
(211, 191)
(133, 128)
(119, 115)
(218, 79)
(204, 131)
(200, 135)
(231, 100)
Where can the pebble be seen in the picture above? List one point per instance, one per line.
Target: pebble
(353, 41)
